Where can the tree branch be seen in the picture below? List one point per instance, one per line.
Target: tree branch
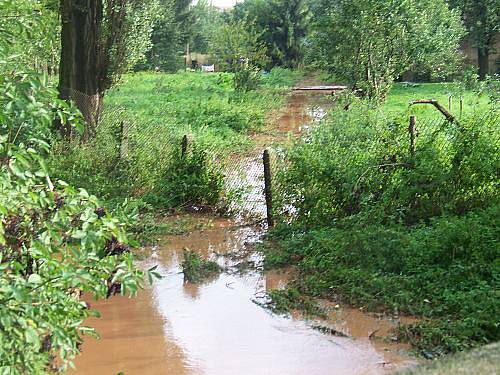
(438, 106)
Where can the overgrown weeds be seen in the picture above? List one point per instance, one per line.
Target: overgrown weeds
(196, 269)
(374, 225)
(136, 151)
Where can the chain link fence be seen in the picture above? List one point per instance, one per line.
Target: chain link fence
(247, 180)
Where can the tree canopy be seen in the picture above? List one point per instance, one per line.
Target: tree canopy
(370, 43)
(282, 24)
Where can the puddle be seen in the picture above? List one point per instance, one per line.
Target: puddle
(216, 327)
(132, 340)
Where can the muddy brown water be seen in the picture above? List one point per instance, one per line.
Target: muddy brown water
(219, 327)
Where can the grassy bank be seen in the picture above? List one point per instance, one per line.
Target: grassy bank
(397, 103)
(374, 225)
(137, 151)
(480, 361)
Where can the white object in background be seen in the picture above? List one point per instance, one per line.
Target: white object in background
(208, 68)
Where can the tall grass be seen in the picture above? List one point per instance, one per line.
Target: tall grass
(157, 110)
(374, 225)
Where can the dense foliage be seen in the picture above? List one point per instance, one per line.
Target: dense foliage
(370, 43)
(182, 27)
(373, 224)
(169, 36)
(282, 26)
(239, 50)
(56, 242)
(30, 34)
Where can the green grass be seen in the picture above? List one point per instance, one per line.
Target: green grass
(205, 106)
(397, 102)
(158, 110)
(444, 273)
(481, 361)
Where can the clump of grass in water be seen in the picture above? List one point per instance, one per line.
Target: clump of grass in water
(196, 269)
(286, 300)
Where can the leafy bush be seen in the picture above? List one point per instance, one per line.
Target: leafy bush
(247, 79)
(188, 180)
(56, 242)
(358, 165)
(196, 269)
(373, 224)
(27, 106)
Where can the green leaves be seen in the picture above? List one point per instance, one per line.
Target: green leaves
(53, 244)
(370, 43)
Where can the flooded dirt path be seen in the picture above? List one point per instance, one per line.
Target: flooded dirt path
(218, 327)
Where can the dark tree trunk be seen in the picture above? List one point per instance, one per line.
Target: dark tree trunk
(483, 55)
(80, 73)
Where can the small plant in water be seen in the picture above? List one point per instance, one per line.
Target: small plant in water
(196, 269)
(286, 300)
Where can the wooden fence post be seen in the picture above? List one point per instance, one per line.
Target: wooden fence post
(123, 140)
(268, 188)
(413, 135)
(184, 146)
(450, 103)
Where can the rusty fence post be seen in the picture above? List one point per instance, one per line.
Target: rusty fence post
(123, 140)
(184, 146)
(268, 188)
(413, 135)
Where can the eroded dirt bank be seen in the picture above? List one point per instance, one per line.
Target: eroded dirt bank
(218, 327)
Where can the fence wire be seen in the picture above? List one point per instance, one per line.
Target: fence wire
(151, 145)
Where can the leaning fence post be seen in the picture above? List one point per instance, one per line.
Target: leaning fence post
(268, 188)
(184, 145)
(413, 135)
(123, 140)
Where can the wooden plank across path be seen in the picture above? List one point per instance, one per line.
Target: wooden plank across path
(320, 88)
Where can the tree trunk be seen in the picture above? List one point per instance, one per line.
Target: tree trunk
(79, 73)
(483, 55)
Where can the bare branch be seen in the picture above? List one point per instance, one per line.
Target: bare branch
(438, 106)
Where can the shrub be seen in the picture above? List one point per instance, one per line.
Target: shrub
(55, 243)
(357, 165)
(196, 269)
(188, 180)
(369, 222)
